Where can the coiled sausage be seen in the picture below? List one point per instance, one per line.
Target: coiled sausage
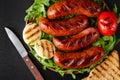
(64, 27)
(67, 7)
(79, 59)
(78, 41)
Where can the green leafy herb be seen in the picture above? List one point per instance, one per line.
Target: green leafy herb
(38, 9)
(107, 42)
(46, 36)
(119, 18)
(93, 21)
(115, 9)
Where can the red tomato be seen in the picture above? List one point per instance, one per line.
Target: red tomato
(107, 23)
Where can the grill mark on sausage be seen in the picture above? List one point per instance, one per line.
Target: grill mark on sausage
(64, 8)
(89, 36)
(78, 41)
(64, 28)
(70, 43)
(82, 41)
(69, 26)
(88, 6)
(79, 23)
(88, 60)
(97, 55)
(75, 6)
(67, 62)
(67, 7)
(72, 62)
(79, 59)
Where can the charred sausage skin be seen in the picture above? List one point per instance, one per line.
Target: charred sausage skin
(79, 59)
(64, 27)
(67, 7)
(78, 41)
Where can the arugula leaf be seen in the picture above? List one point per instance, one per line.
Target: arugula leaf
(115, 9)
(45, 2)
(46, 36)
(119, 18)
(107, 42)
(38, 9)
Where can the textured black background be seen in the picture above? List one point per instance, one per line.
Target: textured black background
(12, 67)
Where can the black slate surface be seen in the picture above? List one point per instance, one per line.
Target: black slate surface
(12, 67)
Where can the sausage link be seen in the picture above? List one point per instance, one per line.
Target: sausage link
(64, 27)
(79, 59)
(78, 41)
(67, 7)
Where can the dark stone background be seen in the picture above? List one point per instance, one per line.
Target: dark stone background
(12, 67)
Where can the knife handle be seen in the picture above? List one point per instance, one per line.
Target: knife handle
(33, 69)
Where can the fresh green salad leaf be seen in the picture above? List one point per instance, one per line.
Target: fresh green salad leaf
(115, 9)
(107, 42)
(46, 36)
(119, 18)
(38, 9)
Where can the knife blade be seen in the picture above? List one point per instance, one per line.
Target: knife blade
(23, 53)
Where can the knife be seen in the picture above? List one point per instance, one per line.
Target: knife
(23, 53)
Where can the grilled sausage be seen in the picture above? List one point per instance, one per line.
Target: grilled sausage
(79, 59)
(64, 27)
(78, 41)
(67, 7)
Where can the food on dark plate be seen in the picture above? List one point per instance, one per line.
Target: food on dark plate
(64, 27)
(107, 70)
(79, 59)
(67, 7)
(78, 41)
(72, 35)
